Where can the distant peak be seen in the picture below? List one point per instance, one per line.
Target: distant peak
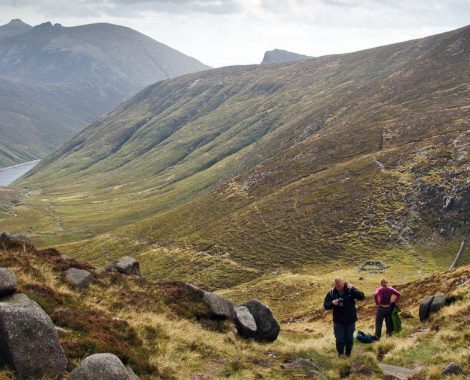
(47, 26)
(44, 25)
(13, 28)
(281, 56)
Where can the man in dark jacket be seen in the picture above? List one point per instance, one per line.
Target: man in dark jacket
(341, 299)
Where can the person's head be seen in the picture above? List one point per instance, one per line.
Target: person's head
(339, 283)
(384, 282)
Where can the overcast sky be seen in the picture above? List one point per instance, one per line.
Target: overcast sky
(230, 32)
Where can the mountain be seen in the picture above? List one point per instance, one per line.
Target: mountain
(14, 28)
(34, 121)
(244, 171)
(90, 69)
(281, 56)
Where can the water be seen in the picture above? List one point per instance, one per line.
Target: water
(11, 173)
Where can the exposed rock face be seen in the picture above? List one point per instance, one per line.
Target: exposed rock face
(7, 282)
(10, 241)
(78, 278)
(267, 326)
(245, 322)
(126, 265)
(100, 367)
(28, 339)
(219, 307)
(281, 56)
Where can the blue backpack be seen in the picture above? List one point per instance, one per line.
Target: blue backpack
(365, 338)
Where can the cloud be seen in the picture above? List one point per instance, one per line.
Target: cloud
(125, 8)
(226, 32)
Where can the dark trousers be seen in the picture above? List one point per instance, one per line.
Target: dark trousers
(344, 334)
(383, 313)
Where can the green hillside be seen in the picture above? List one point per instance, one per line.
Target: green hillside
(247, 170)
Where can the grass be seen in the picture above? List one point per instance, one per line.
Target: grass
(265, 168)
(152, 325)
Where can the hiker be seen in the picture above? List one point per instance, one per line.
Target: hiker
(341, 299)
(385, 298)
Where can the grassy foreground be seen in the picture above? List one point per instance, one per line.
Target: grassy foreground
(152, 325)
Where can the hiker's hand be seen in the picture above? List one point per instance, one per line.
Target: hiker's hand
(335, 302)
(350, 285)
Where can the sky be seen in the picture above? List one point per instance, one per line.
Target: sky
(233, 32)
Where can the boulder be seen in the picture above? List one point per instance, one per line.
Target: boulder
(28, 339)
(10, 241)
(78, 278)
(126, 265)
(424, 307)
(7, 282)
(245, 322)
(452, 369)
(219, 307)
(267, 326)
(102, 366)
(438, 302)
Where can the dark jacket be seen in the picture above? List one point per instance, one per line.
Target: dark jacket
(346, 313)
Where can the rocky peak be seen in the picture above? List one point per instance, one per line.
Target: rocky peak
(281, 56)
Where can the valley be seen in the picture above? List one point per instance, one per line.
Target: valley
(259, 182)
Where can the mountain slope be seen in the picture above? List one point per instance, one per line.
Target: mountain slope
(89, 68)
(252, 169)
(34, 121)
(281, 56)
(14, 28)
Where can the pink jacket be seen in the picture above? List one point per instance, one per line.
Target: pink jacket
(383, 295)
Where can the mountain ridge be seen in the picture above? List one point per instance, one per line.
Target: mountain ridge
(285, 167)
(90, 68)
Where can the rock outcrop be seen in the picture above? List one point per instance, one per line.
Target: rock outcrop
(28, 339)
(7, 282)
(10, 241)
(438, 302)
(431, 304)
(452, 369)
(78, 278)
(281, 56)
(100, 367)
(219, 307)
(126, 265)
(424, 306)
(268, 327)
(245, 322)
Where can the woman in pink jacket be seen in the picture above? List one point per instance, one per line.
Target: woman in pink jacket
(385, 303)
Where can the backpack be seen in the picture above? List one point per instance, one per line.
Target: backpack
(396, 319)
(365, 338)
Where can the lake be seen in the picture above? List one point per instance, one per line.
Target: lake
(11, 173)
